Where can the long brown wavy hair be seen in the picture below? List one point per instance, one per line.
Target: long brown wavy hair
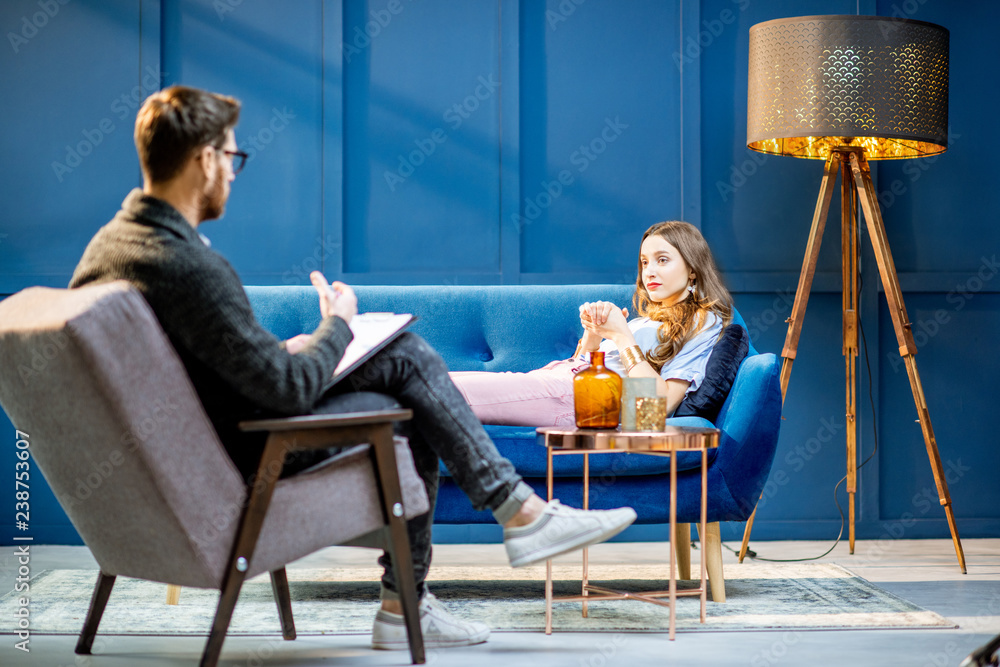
(683, 320)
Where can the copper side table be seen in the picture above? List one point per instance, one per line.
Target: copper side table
(560, 441)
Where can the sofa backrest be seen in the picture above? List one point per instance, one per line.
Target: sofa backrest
(474, 327)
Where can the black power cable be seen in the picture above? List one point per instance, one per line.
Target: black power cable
(752, 554)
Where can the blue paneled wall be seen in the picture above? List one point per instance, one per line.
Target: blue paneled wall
(532, 141)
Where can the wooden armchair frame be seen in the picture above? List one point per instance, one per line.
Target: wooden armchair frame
(286, 435)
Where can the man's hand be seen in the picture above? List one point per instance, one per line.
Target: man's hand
(295, 344)
(336, 299)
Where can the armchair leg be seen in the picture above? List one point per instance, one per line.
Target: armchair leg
(279, 584)
(173, 594)
(682, 548)
(258, 499)
(223, 615)
(711, 545)
(102, 591)
(399, 542)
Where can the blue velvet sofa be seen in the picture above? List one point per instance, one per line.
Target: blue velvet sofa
(519, 328)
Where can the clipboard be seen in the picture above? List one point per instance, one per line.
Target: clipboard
(372, 332)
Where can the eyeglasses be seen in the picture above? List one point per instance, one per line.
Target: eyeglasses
(239, 160)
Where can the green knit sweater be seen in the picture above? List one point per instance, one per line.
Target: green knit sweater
(239, 369)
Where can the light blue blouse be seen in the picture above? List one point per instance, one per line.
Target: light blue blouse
(688, 365)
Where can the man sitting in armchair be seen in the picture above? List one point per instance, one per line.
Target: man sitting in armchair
(189, 156)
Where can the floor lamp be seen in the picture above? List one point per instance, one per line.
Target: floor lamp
(849, 89)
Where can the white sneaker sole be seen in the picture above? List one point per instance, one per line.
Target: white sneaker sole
(428, 643)
(398, 627)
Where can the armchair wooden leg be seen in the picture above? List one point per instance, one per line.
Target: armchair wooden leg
(279, 584)
(173, 594)
(223, 615)
(258, 499)
(102, 591)
(399, 541)
(682, 548)
(711, 551)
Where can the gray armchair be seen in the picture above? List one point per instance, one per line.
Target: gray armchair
(90, 376)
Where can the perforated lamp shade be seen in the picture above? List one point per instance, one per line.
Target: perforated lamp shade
(818, 82)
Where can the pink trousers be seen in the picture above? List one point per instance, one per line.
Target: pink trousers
(542, 397)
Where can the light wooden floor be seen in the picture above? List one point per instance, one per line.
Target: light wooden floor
(922, 571)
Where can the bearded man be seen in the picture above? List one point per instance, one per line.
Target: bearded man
(189, 157)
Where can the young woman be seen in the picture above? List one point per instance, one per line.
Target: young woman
(683, 307)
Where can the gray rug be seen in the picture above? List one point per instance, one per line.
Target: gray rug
(344, 601)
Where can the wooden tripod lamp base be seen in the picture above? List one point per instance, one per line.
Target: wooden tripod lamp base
(848, 89)
(856, 186)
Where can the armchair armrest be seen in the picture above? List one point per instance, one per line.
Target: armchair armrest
(310, 422)
(318, 432)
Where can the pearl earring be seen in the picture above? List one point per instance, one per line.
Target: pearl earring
(691, 288)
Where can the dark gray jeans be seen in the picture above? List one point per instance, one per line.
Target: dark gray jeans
(409, 372)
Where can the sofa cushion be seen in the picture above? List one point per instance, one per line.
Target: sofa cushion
(720, 372)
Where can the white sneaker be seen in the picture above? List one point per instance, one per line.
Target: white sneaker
(561, 529)
(440, 628)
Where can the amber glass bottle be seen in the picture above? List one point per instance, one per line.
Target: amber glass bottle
(597, 395)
